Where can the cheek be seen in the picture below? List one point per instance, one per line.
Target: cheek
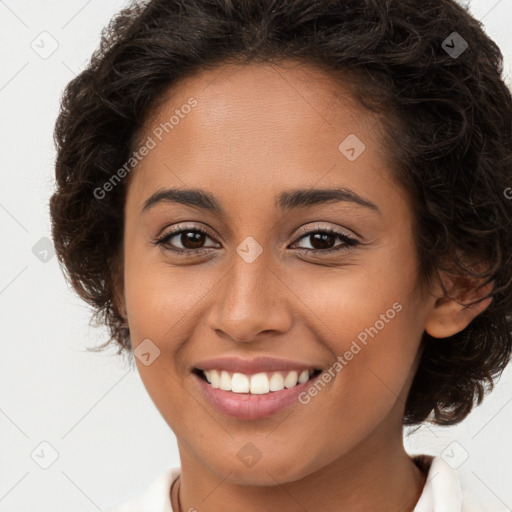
(374, 376)
(161, 300)
(161, 304)
(369, 317)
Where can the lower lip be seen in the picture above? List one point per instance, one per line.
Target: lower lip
(246, 406)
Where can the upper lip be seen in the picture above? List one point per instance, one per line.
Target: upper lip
(252, 366)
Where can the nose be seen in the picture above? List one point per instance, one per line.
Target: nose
(250, 303)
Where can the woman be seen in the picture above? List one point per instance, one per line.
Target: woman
(293, 214)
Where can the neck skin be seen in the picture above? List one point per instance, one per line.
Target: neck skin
(377, 475)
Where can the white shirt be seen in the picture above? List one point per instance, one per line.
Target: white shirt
(444, 491)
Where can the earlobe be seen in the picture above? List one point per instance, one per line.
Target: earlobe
(450, 315)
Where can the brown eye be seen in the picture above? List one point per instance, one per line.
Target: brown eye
(323, 240)
(191, 239)
(185, 240)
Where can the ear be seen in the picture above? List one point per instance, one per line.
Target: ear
(454, 311)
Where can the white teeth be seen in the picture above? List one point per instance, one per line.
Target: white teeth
(215, 379)
(291, 380)
(257, 384)
(276, 382)
(303, 377)
(225, 381)
(239, 383)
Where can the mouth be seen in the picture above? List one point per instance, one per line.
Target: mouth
(262, 383)
(254, 396)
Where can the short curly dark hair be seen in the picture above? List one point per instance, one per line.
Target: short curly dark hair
(447, 120)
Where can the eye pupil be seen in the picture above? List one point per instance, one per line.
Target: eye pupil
(325, 240)
(196, 239)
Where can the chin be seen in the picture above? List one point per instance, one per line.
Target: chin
(281, 468)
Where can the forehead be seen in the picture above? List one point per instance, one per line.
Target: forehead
(254, 128)
(283, 96)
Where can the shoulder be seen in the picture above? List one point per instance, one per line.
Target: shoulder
(155, 498)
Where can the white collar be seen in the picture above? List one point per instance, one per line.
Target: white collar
(442, 491)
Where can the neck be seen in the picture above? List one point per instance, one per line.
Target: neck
(368, 478)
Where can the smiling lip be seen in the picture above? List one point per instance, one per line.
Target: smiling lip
(246, 406)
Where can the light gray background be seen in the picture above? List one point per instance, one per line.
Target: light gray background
(89, 410)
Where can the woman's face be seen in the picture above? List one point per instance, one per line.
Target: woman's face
(267, 279)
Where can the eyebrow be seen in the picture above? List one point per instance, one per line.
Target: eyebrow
(287, 200)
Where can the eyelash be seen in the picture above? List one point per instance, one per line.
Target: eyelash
(349, 242)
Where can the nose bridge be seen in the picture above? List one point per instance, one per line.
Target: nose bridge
(248, 300)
